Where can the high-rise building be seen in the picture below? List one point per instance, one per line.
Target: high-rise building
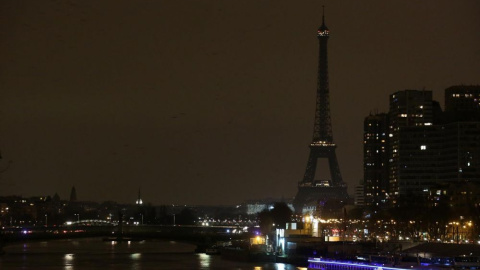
(313, 191)
(430, 155)
(424, 146)
(408, 108)
(462, 98)
(375, 159)
(462, 103)
(460, 153)
(359, 196)
(418, 159)
(461, 150)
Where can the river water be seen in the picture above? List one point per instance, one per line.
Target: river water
(93, 253)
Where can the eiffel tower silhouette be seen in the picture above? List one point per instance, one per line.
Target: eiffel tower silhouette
(312, 192)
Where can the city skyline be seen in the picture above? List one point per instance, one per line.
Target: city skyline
(207, 102)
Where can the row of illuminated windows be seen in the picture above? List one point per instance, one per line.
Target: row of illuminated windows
(373, 164)
(463, 95)
(374, 134)
(376, 151)
(403, 115)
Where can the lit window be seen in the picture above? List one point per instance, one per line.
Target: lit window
(423, 147)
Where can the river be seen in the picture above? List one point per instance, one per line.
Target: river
(93, 253)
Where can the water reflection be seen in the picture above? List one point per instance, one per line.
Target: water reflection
(95, 254)
(204, 261)
(68, 261)
(68, 258)
(136, 256)
(137, 264)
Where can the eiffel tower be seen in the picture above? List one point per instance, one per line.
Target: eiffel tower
(313, 192)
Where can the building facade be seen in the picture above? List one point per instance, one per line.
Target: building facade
(424, 147)
(462, 98)
(359, 196)
(460, 155)
(408, 108)
(418, 158)
(375, 159)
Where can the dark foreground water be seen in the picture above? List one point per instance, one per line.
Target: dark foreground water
(94, 253)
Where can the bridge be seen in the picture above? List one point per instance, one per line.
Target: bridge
(89, 222)
(98, 228)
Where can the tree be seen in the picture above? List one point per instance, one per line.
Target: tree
(186, 217)
(265, 221)
(356, 213)
(281, 214)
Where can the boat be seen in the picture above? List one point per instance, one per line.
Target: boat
(466, 262)
(324, 264)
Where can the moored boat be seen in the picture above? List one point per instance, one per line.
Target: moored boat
(323, 264)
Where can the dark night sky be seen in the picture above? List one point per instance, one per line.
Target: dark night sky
(207, 102)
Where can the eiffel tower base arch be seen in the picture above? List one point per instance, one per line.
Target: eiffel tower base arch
(320, 200)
